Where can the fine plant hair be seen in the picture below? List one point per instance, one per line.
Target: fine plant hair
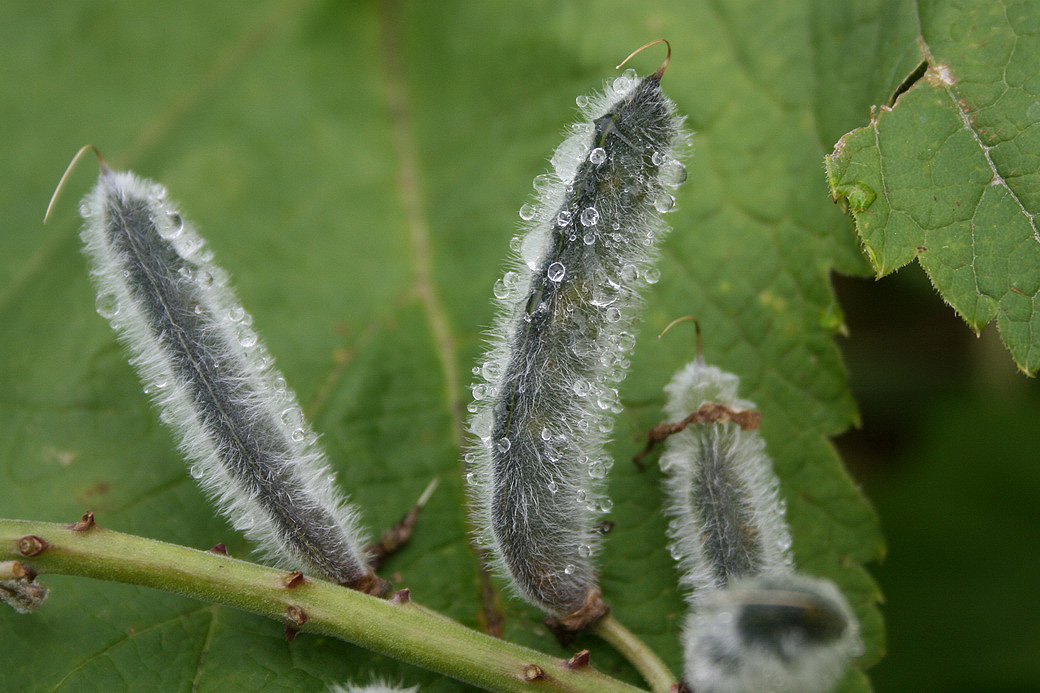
(546, 394)
(783, 632)
(727, 517)
(214, 383)
(754, 624)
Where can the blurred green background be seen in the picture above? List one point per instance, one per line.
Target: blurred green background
(947, 452)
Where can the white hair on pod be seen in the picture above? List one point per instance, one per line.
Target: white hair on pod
(214, 383)
(754, 624)
(779, 633)
(727, 518)
(546, 393)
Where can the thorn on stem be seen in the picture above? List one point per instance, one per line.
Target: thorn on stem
(579, 660)
(32, 545)
(402, 596)
(293, 579)
(533, 672)
(84, 523)
(219, 549)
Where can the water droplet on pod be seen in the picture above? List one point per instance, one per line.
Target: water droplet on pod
(589, 216)
(556, 271)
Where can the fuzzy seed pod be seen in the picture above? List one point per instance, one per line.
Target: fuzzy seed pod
(784, 633)
(755, 624)
(723, 496)
(546, 398)
(214, 383)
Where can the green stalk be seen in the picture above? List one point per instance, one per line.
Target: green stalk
(645, 660)
(398, 627)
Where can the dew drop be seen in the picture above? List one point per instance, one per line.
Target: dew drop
(107, 306)
(563, 218)
(553, 487)
(589, 216)
(597, 469)
(491, 370)
(542, 182)
(85, 211)
(652, 275)
(246, 337)
(606, 425)
(292, 417)
(531, 250)
(569, 569)
(598, 155)
(556, 271)
(581, 387)
(658, 158)
(481, 424)
(629, 272)
(582, 495)
(606, 506)
(503, 445)
(175, 227)
(527, 212)
(612, 315)
(196, 471)
(588, 238)
(471, 407)
(480, 391)
(582, 101)
(626, 341)
(664, 203)
(584, 550)
(236, 314)
(471, 478)
(673, 173)
(297, 435)
(546, 434)
(500, 289)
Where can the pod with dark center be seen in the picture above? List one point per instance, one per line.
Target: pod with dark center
(214, 383)
(783, 632)
(754, 624)
(547, 389)
(727, 517)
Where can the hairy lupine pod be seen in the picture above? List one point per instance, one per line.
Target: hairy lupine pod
(782, 632)
(546, 397)
(727, 518)
(214, 383)
(755, 625)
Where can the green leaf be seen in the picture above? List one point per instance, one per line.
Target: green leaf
(357, 168)
(948, 173)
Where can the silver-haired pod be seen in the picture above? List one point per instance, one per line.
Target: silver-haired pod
(546, 398)
(214, 383)
(755, 624)
(727, 518)
(779, 632)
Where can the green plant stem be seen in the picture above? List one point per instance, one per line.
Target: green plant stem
(398, 628)
(635, 651)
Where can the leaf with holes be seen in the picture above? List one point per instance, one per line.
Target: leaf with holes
(949, 173)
